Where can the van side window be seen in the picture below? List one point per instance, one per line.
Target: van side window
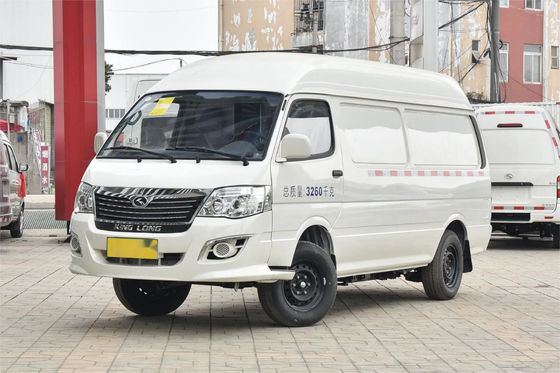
(441, 139)
(312, 118)
(373, 134)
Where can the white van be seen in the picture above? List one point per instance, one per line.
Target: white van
(289, 172)
(522, 144)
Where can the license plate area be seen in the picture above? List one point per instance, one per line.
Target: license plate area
(514, 195)
(132, 248)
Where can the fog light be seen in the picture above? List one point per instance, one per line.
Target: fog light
(75, 245)
(224, 250)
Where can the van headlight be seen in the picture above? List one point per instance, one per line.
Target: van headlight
(84, 199)
(238, 202)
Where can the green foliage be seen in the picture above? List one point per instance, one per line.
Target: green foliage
(108, 73)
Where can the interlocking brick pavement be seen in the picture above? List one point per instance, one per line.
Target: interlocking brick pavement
(506, 318)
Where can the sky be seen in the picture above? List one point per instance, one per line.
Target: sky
(129, 24)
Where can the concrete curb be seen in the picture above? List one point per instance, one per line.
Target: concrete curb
(39, 201)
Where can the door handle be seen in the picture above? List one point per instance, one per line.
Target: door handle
(337, 173)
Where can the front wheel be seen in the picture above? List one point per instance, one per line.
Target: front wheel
(310, 294)
(442, 277)
(151, 298)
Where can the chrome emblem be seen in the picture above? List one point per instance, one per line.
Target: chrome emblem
(508, 176)
(140, 201)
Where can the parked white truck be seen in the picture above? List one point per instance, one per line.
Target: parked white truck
(292, 173)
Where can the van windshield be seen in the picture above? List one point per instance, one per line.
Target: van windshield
(196, 125)
(518, 146)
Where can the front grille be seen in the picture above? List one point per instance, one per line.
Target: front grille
(167, 260)
(510, 216)
(146, 209)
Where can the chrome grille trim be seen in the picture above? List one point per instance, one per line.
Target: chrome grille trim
(174, 209)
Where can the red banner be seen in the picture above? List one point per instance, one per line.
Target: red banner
(45, 169)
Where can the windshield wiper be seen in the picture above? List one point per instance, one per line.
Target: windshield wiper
(158, 154)
(236, 157)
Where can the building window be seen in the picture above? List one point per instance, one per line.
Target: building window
(114, 113)
(554, 57)
(503, 63)
(476, 45)
(504, 3)
(533, 4)
(532, 63)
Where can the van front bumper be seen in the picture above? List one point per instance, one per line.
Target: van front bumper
(249, 265)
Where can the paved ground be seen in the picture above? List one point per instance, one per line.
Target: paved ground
(505, 318)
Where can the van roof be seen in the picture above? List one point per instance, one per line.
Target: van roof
(509, 107)
(290, 73)
(507, 114)
(3, 136)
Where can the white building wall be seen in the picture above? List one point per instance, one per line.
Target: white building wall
(125, 90)
(27, 22)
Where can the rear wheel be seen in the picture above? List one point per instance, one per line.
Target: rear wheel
(306, 298)
(556, 236)
(151, 298)
(16, 229)
(442, 277)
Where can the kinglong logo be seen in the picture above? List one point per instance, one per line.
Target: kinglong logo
(141, 201)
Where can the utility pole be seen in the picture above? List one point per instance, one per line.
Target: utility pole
(495, 54)
(8, 117)
(315, 41)
(397, 32)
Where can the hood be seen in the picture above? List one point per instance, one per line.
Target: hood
(160, 173)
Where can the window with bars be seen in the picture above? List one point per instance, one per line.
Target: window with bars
(504, 62)
(554, 63)
(532, 63)
(533, 4)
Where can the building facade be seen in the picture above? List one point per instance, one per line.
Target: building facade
(530, 35)
(529, 30)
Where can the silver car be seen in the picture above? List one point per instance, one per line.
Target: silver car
(12, 189)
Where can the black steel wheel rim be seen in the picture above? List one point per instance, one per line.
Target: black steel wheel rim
(305, 290)
(450, 266)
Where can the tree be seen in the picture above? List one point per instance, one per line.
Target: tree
(108, 73)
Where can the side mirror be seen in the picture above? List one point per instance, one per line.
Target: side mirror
(98, 141)
(294, 146)
(23, 167)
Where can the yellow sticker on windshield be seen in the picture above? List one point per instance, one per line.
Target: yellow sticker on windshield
(162, 106)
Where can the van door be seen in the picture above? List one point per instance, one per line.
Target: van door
(309, 189)
(523, 158)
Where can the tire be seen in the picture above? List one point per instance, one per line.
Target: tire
(306, 298)
(442, 277)
(16, 229)
(151, 298)
(556, 236)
